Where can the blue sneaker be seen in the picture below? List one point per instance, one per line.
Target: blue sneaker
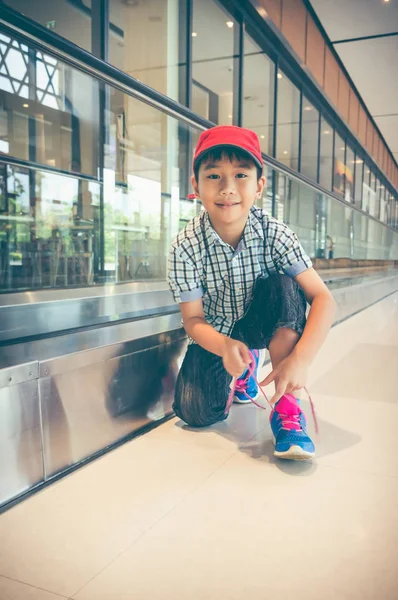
(288, 425)
(246, 387)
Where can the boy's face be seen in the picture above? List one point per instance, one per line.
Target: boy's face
(227, 190)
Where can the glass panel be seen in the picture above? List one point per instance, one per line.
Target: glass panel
(366, 191)
(339, 229)
(258, 94)
(383, 203)
(64, 128)
(339, 173)
(359, 166)
(265, 201)
(373, 208)
(326, 157)
(213, 61)
(300, 214)
(72, 20)
(287, 132)
(282, 189)
(74, 224)
(376, 249)
(144, 40)
(309, 140)
(349, 172)
(142, 193)
(361, 224)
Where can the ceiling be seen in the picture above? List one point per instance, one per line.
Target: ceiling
(370, 62)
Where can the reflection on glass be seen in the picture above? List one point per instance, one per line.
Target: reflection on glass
(73, 223)
(309, 140)
(340, 229)
(213, 61)
(287, 131)
(258, 93)
(373, 209)
(359, 169)
(57, 125)
(341, 175)
(144, 42)
(46, 230)
(326, 157)
(382, 203)
(349, 171)
(361, 235)
(72, 20)
(300, 214)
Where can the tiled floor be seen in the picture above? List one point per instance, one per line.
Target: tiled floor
(193, 515)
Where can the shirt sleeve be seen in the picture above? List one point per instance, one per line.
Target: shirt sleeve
(183, 278)
(287, 253)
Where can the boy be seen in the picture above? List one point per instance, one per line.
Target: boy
(242, 281)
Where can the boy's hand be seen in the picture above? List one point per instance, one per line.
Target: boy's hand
(289, 376)
(236, 357)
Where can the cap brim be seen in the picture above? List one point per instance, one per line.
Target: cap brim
(253, 156)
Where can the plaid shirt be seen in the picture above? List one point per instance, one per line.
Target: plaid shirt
(201, 265)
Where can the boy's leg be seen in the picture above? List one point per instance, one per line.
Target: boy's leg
(284, 303)
(202, 388)
(276, 317)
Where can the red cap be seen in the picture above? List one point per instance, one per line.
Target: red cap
(229, 135)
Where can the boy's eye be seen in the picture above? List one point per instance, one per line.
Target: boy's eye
(213, 176)
(241, 175)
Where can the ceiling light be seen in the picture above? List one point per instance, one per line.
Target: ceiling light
(229, 116)
(285, 152)
(342, 148)
(194, 34)
(386, 1)
(229, 24)
(25, 105)
(359, 161)
(280, 75)
(262, 137)
(326, 132)
(308, 108)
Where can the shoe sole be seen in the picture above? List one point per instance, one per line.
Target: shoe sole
(294, 453)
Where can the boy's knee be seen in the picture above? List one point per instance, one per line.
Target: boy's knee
(197, 414)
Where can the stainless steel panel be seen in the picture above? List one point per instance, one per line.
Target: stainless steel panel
(94, 406)
(21, 460)
(18, 374)
(66, 345)
(61, 312)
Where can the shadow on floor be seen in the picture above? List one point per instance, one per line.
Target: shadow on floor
(248, 427)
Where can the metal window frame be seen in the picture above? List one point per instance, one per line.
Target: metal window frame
(300, 135)
(238, 65)
(100, 49)
(274, 135)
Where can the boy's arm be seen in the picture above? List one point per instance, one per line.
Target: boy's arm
(236, 356)
(291, 373)
(320, 317)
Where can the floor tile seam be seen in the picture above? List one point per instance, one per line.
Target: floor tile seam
(153, 525)
(358, 470)
(35, 587)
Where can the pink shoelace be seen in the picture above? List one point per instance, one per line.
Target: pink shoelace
(240, 386)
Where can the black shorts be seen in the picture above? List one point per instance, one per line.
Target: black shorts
(203, 384)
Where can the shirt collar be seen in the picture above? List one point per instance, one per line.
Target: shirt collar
(253, 231)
